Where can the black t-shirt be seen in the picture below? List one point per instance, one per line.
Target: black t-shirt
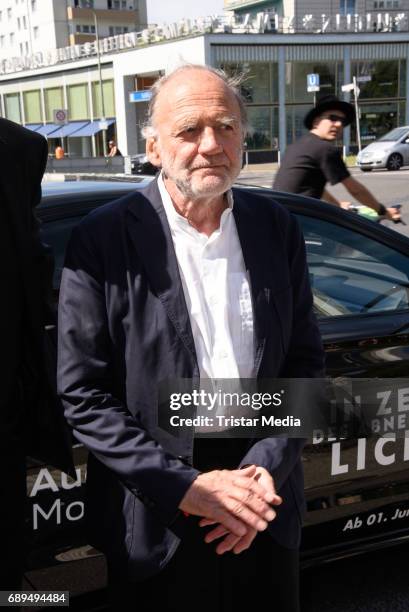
(308, 165)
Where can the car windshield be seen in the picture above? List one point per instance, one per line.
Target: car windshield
(395, 134)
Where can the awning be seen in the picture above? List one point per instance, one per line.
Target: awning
(93, 127)
(33, 126)
(70, 129)
(73, 129)
(48, 129)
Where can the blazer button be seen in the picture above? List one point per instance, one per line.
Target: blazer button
(185, 459)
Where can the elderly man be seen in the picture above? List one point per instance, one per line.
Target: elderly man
(187, 279)
(313, 161)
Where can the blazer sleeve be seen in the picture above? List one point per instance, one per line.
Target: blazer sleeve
(101, 421)
(304, 359)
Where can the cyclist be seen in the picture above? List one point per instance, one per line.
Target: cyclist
(313, 161)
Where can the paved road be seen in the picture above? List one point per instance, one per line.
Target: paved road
(389, 188)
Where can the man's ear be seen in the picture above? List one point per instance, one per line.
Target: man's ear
(152, 151)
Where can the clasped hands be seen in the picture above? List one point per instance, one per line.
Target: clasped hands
(239, 502)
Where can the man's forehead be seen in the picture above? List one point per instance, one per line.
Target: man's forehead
(194, 85)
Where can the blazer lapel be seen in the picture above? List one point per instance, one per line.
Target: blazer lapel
(150, 233)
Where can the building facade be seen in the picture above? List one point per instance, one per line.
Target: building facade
(30, 26)
(275, 65)
(321, 14)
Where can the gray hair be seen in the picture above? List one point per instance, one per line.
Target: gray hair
(232, 83)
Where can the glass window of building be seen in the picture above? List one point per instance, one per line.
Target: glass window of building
(402, 79)
(347, 7)
(32, 106)
(36, 31)
(78, 107)
(9, 14)
(11, 36)
(384, 81)
(33, 5)
(257, 87)
(296, 80)
(263, 122)
(376, 120)
(109, 101)
(12, 104)
(53, 98)
(295, 121)
(260, 91)
(260, 84)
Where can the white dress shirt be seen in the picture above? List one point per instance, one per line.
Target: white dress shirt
(217, 293)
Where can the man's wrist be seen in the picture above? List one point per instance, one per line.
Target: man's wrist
(381, 210)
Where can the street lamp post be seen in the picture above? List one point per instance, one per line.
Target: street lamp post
(101, 90)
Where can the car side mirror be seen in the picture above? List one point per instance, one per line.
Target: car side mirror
(406, 141)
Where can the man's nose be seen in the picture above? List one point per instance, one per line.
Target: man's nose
(209, 141)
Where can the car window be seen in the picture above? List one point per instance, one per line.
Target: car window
(352, 274)
(394, 135)
(56, 234)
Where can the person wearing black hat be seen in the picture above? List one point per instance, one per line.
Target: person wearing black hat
(313, 161)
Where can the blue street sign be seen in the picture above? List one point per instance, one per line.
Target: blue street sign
(313, 80)
(140, 96)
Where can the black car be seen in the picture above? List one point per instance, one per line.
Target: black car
(357, 490)
(141, 165)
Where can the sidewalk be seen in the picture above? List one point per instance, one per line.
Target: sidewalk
(260, 168)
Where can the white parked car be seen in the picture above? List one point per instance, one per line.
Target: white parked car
(391, 151)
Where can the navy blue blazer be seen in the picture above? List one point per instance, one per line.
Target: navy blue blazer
(124, 327)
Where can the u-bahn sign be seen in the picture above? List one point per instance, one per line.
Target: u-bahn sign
(313, 82)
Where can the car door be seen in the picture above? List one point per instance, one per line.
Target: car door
(359, 275)
(404, 149)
